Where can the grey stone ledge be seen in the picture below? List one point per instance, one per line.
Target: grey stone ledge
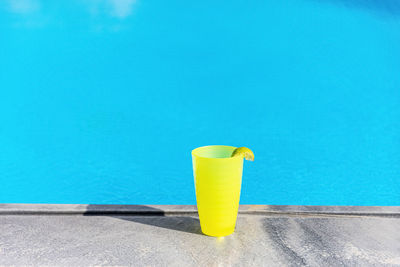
(170, 235)
(166, 210)
(271, 239)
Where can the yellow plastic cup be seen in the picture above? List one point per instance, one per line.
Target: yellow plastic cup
(218, 179)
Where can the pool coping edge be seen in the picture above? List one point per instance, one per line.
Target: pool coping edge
(165, 210)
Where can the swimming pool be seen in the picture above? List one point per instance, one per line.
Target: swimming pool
(102, 101)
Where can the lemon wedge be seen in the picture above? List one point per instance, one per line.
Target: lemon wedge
(243, 152)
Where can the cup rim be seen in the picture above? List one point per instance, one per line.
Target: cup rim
(196, 150)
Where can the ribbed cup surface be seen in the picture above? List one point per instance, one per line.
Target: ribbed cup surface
(218, 182)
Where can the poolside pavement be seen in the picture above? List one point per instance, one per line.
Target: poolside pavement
(127, 235)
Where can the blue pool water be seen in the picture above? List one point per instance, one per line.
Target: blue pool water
(103, 101)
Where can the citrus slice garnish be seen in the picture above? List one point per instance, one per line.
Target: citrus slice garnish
(243, 152)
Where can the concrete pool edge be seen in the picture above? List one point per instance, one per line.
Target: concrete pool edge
(47, 236)
(165, 210)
